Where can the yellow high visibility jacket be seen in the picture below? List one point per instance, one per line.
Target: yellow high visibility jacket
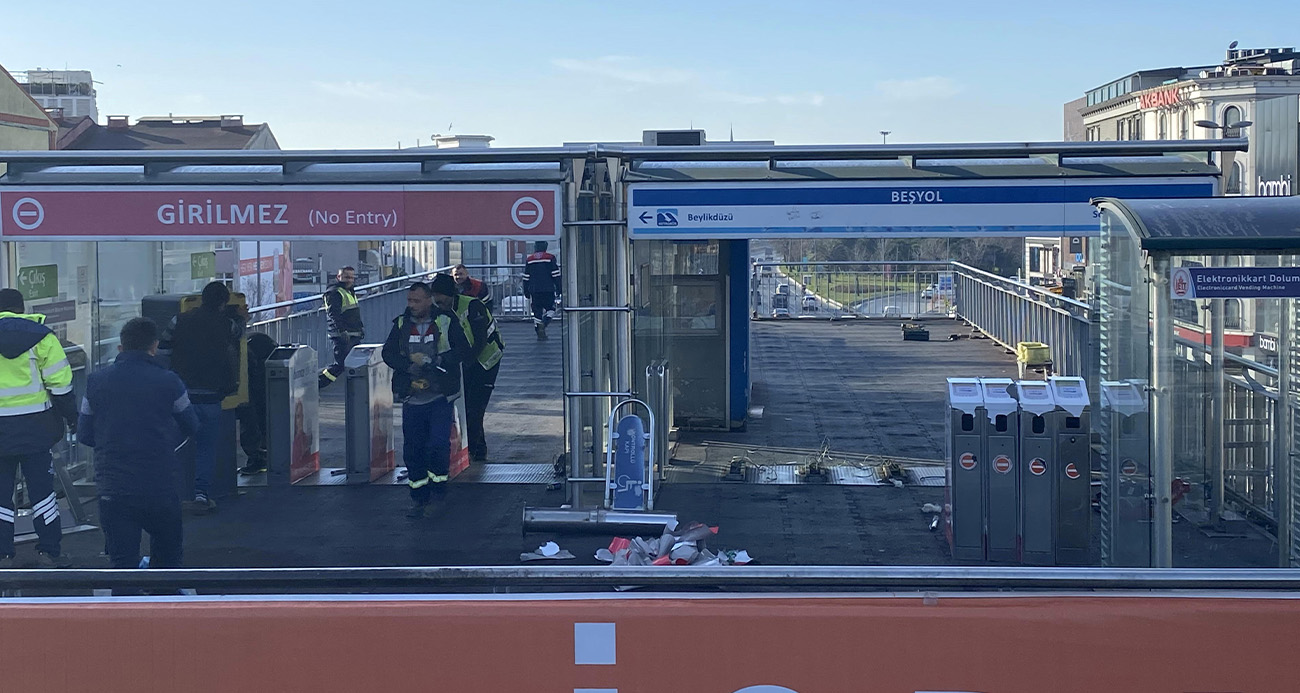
(33, 366)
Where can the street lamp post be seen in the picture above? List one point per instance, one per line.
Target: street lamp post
(884, 135)
(1228, 157)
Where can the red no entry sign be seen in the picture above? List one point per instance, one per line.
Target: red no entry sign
(1128, 468)
(1071, 471)
(967, 461)
(1037, 466)
(1002, 464)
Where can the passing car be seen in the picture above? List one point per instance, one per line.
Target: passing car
(781, 313)
(929, 291)
(810, 304)
(892, 312)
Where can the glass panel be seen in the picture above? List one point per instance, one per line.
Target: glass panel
(128, 271)
(1124, 367)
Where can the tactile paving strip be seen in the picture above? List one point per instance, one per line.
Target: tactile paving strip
(525, 473)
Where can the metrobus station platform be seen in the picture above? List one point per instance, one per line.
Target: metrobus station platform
(853, 388)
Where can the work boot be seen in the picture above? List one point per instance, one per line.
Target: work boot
(418, 511)
(537, 327)
(49, 561)
(541, 333)
(253, 468)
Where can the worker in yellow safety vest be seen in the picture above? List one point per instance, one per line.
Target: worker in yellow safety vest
(36, 404)
(343, 315)
(480, 370)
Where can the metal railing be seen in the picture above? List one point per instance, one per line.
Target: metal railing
(1010, 312)
(733, 578)
(302, 320)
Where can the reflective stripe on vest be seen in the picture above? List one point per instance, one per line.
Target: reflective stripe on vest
(443, 323)
(18, 397)
(491, 354)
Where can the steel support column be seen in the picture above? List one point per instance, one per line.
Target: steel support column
(1162, 414)
(1215, 435)
(1283, 454)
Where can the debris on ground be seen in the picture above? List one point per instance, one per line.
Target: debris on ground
(931, 508)
(550, 551)
(678, 545)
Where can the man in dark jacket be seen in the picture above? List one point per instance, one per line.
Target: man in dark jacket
(135, 415)
(425, 349)
(469, 286)
(204, 346)
(343, 318)
(481, 367)
(36, 401)
(252, 416)
(541, 284)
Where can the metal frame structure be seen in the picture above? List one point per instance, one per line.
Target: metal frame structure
(731, 578)
(595, 240)
(1156, 235)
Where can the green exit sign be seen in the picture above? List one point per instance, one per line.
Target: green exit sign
(40, 281)
(203, 265)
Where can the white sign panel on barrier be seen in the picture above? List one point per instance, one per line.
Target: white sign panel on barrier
(892, 208)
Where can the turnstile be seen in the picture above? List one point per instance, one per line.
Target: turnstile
(368, 393)
(1127, 494)
(963, 507)
(292, 424)
(1002, 487)
(1037, 472)
(1073, 480)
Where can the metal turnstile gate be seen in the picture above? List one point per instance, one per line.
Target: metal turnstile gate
(292, 424)
(368, 393)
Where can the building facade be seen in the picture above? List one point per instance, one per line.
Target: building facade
(24, 124)
(69, 92)
(1256, 86)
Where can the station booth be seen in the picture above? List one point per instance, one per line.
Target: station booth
(1197, 427)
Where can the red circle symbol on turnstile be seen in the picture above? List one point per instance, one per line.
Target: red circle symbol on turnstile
(1128, 468)
(967, 461)
(1037, 466)
(1002, 464)
(1071, 471)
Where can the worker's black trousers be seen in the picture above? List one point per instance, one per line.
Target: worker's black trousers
(38, 470)
(479, 384)
(342, 347)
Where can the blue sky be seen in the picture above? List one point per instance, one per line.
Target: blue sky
(371, 74)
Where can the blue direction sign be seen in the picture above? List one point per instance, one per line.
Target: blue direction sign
(884, 208)
(629, 464)
(1234, 282)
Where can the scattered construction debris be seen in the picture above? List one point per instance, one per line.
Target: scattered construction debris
(550, 551)
(678, 545)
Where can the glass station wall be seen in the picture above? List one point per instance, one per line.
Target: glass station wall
(680, 303)
(88, 290)
(1194, 382)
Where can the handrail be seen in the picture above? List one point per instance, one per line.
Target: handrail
(367, 287)
(1041, 292)
(477, 578)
